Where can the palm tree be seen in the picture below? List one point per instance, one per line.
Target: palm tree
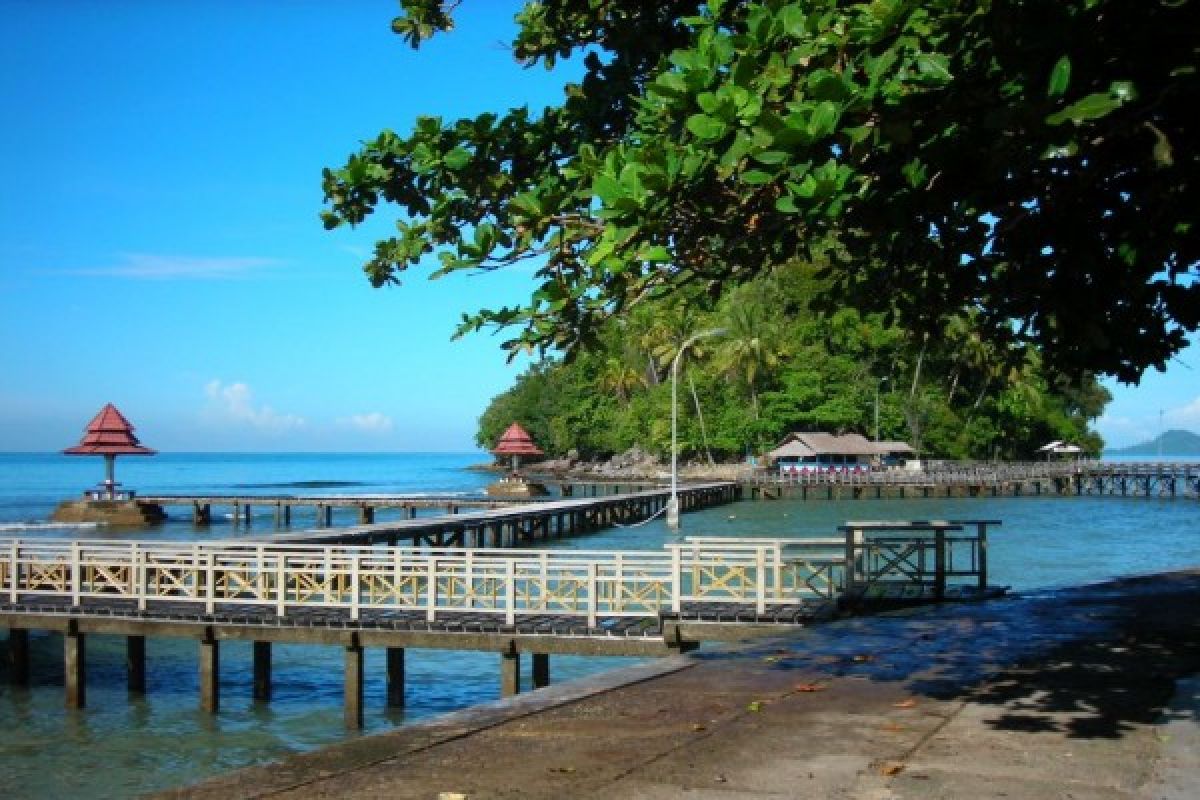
(751, 347)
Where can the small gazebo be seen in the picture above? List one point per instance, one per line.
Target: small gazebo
(110, 435)
(515, 443)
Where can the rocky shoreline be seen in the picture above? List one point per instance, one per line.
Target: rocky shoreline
(633, 464)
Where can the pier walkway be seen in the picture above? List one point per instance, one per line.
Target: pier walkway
(1084, 693)
(539, 602)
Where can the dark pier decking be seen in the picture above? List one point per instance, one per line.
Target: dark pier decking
(1167, 480)
(241, 507)
(537, 602)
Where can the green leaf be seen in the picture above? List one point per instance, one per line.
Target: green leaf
(756, 177)
(1060, 78)
(786, 204)
(607, 188)
(824, 119)
(933, 65)
(706, 128)
(457, 158)
(656, 253)
(1093, 106)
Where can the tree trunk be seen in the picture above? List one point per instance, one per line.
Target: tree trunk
(700, 417)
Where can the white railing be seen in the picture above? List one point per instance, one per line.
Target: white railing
(437, 582)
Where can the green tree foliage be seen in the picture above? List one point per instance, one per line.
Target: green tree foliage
(780, 366)
(1030, 164)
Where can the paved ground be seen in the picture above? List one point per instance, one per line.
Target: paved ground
(1087, 693)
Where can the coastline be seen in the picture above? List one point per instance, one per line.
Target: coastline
(1033, 696)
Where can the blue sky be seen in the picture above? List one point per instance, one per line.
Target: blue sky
(160, 246)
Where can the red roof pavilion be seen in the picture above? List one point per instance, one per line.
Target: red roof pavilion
(516, 441)
(109, 433)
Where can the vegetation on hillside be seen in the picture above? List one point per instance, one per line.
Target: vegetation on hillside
(779, 366)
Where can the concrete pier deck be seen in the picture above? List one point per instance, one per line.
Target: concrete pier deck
(1086, 693)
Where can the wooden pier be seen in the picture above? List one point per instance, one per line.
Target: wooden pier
(241, 507)
(1166, 480)
(513, 602)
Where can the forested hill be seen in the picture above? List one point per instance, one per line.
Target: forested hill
(775, 365)
(1171, 443)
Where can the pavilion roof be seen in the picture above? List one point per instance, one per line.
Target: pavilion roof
(109, 433)
(516, 441)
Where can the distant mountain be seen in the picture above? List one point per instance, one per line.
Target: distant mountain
(1169, 443)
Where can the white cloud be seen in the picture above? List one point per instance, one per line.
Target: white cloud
(234, 403)
(149, 266)
(1186, 416)
(374, 422)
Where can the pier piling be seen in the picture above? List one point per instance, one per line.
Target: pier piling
(395, 677)
(262, 672)
(75, 666)
(353, 686)
(135, 663)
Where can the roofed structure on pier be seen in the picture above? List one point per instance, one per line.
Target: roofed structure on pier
(516, 441)
(109, 434)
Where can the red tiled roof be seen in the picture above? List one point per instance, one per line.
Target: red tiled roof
(516, 442)
(109, 433)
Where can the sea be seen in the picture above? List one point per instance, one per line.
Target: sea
(122, 745)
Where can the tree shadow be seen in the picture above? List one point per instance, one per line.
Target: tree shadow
(1089, 663)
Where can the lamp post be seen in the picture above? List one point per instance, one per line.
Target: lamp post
(881, 382)
(673, 500)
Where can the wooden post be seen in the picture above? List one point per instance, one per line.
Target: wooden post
(939, 564)
(287, 516)
(395, 677)
(75, 664)
(510, 673)
(981, 557)
(366, 515)
(262, 672)
(210, 673)
(353, 686)
(17, 654)
(135, 663)
(541, 670)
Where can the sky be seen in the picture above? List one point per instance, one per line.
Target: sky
(160, 246)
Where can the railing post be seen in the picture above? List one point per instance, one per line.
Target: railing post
(139, 575)
(76, 577)
(760, 580)
(592, 600)
(281, 584)
(355, 566)
(676, 580)
(210, 583)
(14, 570)
(510, 592)
(431, 590)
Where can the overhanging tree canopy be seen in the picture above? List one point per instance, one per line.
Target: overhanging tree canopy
(1034, 163)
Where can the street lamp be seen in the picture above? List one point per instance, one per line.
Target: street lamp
(881, 382)
(673, 501)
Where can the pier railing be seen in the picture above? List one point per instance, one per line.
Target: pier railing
(446, 583)
(450, 581)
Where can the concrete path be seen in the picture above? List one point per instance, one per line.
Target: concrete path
(1085, 693)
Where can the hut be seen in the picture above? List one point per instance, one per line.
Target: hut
(803, 452)
(109, 434)
(516, 443)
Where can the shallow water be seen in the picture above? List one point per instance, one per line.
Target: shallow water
(121, 746)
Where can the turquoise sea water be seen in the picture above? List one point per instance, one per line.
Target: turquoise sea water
(120, 746)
